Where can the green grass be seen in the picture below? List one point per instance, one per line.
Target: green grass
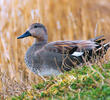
(84, 83)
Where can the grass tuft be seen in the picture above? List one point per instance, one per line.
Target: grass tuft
(74, 85)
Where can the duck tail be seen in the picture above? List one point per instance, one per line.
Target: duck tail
(99, 39)
(104, 47)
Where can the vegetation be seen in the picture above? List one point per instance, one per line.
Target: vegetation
(65, 20)
(84, 83)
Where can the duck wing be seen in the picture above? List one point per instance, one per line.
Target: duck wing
(77, 47)
(70, 47)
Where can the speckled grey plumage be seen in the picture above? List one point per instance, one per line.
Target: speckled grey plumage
(39, 63)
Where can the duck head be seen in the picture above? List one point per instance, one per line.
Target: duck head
(36, 30)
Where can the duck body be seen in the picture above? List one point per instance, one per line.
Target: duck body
(39, 61)
(53, 58)
(43, 60)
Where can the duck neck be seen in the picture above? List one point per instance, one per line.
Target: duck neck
(43, 42)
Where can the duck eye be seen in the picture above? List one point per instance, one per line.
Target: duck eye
(35, 26)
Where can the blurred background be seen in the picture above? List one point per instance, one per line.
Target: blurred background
(64, 20)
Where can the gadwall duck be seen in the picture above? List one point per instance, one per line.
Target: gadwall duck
(53, 58)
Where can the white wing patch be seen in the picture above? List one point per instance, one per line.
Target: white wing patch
(77, 54)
